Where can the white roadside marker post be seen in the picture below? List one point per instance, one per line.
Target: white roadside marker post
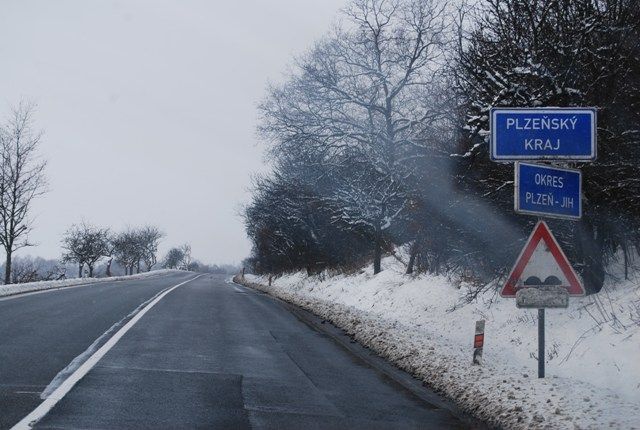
(478, 342)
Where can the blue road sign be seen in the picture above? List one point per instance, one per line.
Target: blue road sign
(548, 191)
(543, 134)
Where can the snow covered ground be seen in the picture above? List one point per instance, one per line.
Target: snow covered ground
(10, 290)
(423, 326)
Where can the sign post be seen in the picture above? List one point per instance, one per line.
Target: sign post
(542, 297)
(541, 343)
(542, 276)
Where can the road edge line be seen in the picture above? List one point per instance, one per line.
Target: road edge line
(63, 389)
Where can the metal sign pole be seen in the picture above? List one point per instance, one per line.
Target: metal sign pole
(540, 338)
(541, 343)
(544, 134)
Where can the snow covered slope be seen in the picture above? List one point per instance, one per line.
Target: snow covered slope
(12, 289)
(422, 325)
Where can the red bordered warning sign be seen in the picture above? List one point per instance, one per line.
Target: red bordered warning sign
(542, 262)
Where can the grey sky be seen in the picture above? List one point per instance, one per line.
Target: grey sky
(149, 108)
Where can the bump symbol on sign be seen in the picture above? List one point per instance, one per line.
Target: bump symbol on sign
(534, 281)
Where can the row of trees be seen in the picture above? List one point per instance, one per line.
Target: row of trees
(134, 249)
(22, 179)
(85, 245)
(32, 269)
(379, 135)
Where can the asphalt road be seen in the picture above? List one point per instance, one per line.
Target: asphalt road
(40, 334)
(208, 355)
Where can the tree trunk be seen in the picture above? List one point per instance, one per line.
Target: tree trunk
(7, 269)
(137, 267)
(90, 266)
(108, 271)
(80, 265)
(377, 253)
(590, 253)
(625, 251)
(412, 257)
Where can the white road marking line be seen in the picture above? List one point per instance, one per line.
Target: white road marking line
(77, 362)
(38, 413)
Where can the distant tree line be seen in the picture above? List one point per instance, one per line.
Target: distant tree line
(379, 136)
(22, 179)
(97, 252)
(180, 258)
(133, 249)
(33, 269)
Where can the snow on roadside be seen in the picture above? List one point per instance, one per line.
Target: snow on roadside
(593, 348)
(13, 289)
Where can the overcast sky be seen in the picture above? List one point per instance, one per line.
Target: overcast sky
(149, 108)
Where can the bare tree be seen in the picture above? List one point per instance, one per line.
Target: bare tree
(72, 243)
(25, 270)
(356, 102)
(135, 246)
(85, 244)
(185, 264)
(126, 250)
(21, 180)
(109, 254)
(149, 237)
(179, 258)
(173, 258)
(32, 269)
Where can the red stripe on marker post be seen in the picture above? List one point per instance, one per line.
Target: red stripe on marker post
(478, 341)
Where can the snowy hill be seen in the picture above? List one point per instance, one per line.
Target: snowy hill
(424, 325)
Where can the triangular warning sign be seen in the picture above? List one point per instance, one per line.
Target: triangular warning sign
(542, 262)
